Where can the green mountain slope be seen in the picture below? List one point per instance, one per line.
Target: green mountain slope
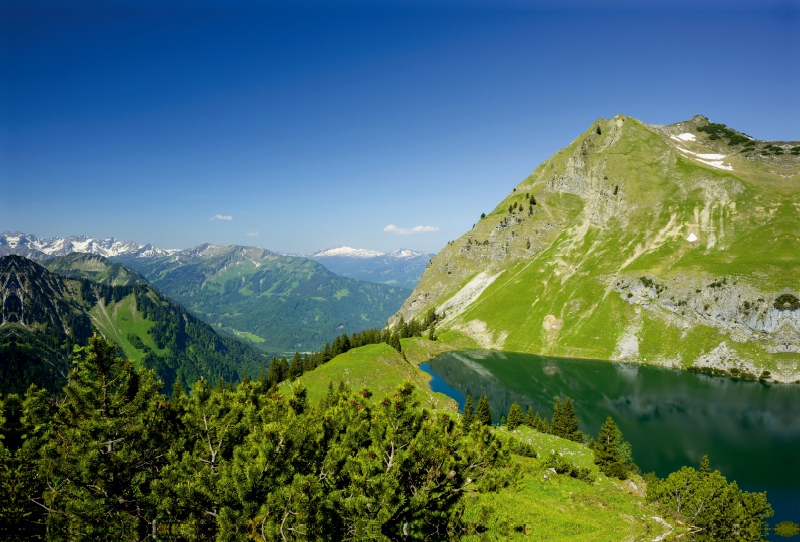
(280, 303)
(44, 315)
(674, 245)
(96, 268)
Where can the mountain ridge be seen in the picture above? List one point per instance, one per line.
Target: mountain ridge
(44, 315)
(33, 247)
(673, 245)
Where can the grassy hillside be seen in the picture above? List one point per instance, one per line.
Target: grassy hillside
(668, 245)
(279, 303)
(378, 367)
(536, 504)
(540, 505)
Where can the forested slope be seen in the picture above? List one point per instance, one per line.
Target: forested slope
(44, 315)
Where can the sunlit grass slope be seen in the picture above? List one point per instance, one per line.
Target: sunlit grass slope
(635, 244)
(378, 367)
(540, 505)
(531, 507)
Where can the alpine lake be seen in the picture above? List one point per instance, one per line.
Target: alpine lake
(749, 430)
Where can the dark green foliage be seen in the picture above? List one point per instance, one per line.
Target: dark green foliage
(787, 302)
(394, 342)
(612, 453)
(483, 413)
(540, 424)
(469, 414)
(515, 417)
(38, 348)
(719, 131)
(787, 529)
(96, 451)
(521, 448)
(558, 463)
(565, 422)
(713, 508)
(483, 215)
(529, 419)
(114, 459)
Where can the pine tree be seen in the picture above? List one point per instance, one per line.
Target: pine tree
(502, 421)
(540, 424)
(565, 422)
(515, 417)
(394, 342)
(469, 414)
(483, 412)
(705, 466)
(606, 450)
(555, 421)
(529, 417)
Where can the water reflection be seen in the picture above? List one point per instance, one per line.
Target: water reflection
(750, 430)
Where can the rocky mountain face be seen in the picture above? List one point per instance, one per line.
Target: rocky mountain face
(44, 315)
(677, 245)
(35, 248)
(401, 267)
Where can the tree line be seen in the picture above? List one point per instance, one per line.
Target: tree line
(282, 369)
(115, 458)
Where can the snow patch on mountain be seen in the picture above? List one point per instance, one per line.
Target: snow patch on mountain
(348, 252)
(34, 247)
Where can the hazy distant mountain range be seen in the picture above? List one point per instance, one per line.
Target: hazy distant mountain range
(278, 303)
(402, 267)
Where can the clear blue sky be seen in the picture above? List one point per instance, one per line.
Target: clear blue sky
(320, 126)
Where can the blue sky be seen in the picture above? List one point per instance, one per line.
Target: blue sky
(322, 125)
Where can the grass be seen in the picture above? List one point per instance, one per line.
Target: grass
(623, 215)
(378, 367)
(560, 508)
(246, 335)
(531, 507)
(117, 320)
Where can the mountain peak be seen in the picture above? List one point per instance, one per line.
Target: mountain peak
(30, 246)
(348, 252)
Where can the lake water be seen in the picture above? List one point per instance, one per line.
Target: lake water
(749, 430)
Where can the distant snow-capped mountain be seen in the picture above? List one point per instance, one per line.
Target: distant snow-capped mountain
(402, 267)
(30, 246)
(346, 252)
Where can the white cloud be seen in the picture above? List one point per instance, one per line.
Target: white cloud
(252, 234)
(221, 217)
(391, 228)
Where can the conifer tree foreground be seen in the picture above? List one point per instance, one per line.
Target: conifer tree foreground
(114, 459)
(484, 413)
(469, 414)
(515, 417)
(606, 450)
(565, 421)
(529, 419)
